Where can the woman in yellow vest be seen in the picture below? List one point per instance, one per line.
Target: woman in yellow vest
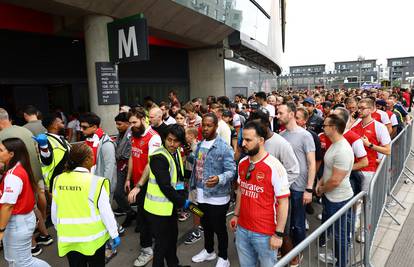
(81, 211)
(162, 199)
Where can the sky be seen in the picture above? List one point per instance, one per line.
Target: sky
(324, 31)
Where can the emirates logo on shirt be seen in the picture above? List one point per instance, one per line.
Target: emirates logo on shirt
(250, 190)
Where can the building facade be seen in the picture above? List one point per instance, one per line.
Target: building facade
(50, 49)
(401, 70)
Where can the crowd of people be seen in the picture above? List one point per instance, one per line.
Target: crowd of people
(268, 156)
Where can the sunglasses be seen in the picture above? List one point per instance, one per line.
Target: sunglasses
(83, 127)
(249, 171)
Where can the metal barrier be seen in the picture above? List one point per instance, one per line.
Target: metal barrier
(328, 251)
(383, 185)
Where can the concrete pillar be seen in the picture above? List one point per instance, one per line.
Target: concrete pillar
(96, 45)
(206, 69)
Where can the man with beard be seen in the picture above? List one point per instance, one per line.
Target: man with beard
(104, 156)
(302, 188)
(375, 137)
(263, 193)
(168, 120)
(213, 171)
(144, 142)
(54, 149)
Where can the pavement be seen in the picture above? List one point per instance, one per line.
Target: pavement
(393, 243)
(129, 248)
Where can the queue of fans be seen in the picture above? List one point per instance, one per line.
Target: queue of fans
(266, 155)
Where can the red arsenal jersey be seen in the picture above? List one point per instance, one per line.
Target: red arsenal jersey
(378, 135)
(268, 181)
(353, 139)
(141, 148)
(15, 188)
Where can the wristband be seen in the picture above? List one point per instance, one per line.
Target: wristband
(279, 234)
(371, 145)
(309, 190)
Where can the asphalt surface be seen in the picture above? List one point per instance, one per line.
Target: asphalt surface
(129, 248)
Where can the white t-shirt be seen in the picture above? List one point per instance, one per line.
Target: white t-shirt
(236, 120)
(223, 130)
(75, 126)
(340, 156)
(272, 114)
(170, 121)
(204, 147)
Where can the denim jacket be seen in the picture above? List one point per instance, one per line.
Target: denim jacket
(219, 161)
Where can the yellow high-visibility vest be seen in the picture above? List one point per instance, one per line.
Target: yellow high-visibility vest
(155, 201)
(59, 152)
(79, 224)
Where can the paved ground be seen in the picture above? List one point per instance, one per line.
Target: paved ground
(393, 244)
(401, 254)
(128, 250)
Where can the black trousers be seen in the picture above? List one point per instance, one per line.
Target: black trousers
(77, 259)
(142, 222)
(214, 222)
(119, 194)
(165, 232)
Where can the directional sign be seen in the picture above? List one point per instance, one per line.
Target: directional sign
(128, 39)
(107, 83)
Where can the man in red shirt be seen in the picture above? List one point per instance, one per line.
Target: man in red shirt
(375, 137)
(144, 141)
(262, 201)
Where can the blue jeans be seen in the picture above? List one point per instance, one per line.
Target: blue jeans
(17, 242)
(342, 228)
(297, 217)
(254, 247)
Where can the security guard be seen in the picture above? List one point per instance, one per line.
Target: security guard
(54, 149)
(162, 199)
(81, 211)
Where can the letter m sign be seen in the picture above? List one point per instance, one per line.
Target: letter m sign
(128, 39)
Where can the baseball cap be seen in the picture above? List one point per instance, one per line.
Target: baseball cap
(381, 102)
(309, 100)
(227, 113)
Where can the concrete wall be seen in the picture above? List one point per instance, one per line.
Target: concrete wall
(206, 69)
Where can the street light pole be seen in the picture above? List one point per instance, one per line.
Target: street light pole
(360, 60)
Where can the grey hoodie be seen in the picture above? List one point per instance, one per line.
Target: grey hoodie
(105, 161)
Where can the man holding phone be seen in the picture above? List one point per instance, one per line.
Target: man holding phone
(213, 170)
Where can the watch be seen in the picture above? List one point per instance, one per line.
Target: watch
(279, 234)
(309, 190)
(371, 145)
(2, 229)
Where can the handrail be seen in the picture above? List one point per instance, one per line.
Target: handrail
(285, 260)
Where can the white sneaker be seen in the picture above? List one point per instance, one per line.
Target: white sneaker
(204, 256)
(306, 224)
(328, 258)
(360, 237)
(222, 262)
(143, 258)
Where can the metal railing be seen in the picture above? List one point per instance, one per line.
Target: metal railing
(383, 186)
(325, 240)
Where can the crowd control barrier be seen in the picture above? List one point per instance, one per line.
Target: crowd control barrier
(320, 246)
(383, 188)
